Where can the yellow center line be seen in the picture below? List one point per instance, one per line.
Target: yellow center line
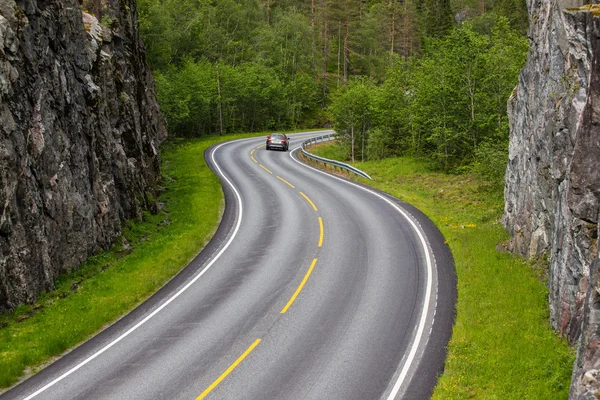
(289, 304)
(252, 152)
(307, 199)
(266, 169)
(231, 368)
(284, 181)
(262, 145)
(321, 236)
(254, 159)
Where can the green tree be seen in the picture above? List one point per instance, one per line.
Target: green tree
(188, 97)
(450, 104)
(301, 95)
(351, 112)
(449, 100)
(391, 110)
(438, 17)
(172, 29)
(504, 61)
(233, 65)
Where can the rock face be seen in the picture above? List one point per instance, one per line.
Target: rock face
(79, 133)
(552, 193)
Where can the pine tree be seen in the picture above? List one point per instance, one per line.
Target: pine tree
(438, 17)
(405, 35)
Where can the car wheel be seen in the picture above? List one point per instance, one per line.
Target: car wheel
(267, 147)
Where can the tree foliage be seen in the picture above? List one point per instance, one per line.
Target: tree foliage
(352, 111)
(450, 103)
(427, 77)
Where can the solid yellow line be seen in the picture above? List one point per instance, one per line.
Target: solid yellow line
(289, 304)
(289, 184)
(321, 236)
(307, 199)
(231, 368)
(254, 159)
(266, 169)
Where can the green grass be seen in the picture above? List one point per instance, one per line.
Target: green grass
(502, 345)
(332, 151)
(114, 282)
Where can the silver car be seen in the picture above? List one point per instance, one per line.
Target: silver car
(278, 141)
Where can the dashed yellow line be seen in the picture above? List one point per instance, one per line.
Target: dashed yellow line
(266, 169)
(286, 182)
(309, 200)
(228, 371)
(292, 299)
(297, 292)
(262, 145)
(321, 229)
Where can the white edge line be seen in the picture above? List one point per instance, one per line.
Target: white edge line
(425, 311)
(166, 303)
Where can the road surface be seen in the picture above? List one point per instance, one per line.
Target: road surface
(313, 287)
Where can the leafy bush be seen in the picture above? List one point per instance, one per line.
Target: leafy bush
(490, 162)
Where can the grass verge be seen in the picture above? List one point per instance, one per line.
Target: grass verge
(113, 282)
(502, 345)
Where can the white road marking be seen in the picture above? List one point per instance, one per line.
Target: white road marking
(166, 303)
(425, 311)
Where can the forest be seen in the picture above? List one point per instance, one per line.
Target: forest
(394, 77)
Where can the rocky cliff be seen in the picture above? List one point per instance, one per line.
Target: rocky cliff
(552, 193)
(79, 133)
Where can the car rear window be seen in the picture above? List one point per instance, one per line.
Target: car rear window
(278, 137)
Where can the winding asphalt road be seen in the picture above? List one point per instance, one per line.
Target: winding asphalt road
(313, 287)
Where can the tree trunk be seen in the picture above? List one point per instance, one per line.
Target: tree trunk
(268, 11)
(312, 24)
(346, 48)
(406, 46)
(339, 52)
(471, 91)
(363, 140)
(393, 28)
(325, 56)
(352, 139)
(219, 101)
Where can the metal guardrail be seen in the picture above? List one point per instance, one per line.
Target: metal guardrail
(334, 163)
